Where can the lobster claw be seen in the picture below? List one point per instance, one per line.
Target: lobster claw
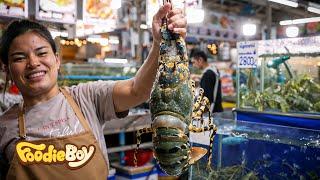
(196, 154)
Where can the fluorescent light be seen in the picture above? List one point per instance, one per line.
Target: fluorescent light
(115, 4)
(112, 60)
(313, 7)
(144, 26)
(249, 29)
(314, 10)
(292, 31)
(300, 21)
(195, 15)
(64, 34)
(54, 34)
(114, 40)
(104, 41)
(286, 2)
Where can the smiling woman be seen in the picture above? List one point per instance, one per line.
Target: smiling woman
(33, 66)
(53, 125)
(29, 55)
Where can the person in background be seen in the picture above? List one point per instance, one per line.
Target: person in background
(56, 133)
(7, 99)
(210, 80)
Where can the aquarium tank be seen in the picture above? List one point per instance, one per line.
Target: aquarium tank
(73, 74)
(248, 150)
(280, 75)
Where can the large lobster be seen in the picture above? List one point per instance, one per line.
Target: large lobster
(173, 112)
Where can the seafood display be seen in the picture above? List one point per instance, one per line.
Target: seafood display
(301, 94)
(249, 150)
(173, 111)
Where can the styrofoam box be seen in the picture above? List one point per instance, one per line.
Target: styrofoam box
(112, 174)
(150, 175)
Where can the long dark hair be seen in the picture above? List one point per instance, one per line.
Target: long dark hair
(17, 28)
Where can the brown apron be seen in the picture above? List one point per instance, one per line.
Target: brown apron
(94, 168)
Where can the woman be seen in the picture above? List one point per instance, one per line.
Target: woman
(56, 132)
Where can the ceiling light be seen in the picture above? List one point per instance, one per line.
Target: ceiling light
(300, 21)
(314, 10)
(292, 31)
(249, 29)
(286, 2)
(113, 60)
(58, 33)
(115, 4)
(143, 26)
(313, 7)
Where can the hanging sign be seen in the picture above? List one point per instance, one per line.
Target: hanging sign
(247, 54)
(63, 11)
(14, 8)
(101, 12)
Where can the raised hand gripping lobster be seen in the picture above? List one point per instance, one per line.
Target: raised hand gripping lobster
(172, 110)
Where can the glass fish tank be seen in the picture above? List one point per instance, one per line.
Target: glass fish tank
(281, 75)
(248, 150)
(73, 74)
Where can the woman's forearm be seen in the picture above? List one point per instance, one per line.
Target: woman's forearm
(145, 76)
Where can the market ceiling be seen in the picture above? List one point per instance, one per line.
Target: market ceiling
(258, 8)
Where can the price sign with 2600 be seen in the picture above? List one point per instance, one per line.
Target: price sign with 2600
(247, 62)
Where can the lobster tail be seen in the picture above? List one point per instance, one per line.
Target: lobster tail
(171, 144)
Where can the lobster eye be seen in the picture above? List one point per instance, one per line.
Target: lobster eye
(183, 146)
(174, 150)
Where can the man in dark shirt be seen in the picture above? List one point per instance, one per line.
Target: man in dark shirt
(210, 80)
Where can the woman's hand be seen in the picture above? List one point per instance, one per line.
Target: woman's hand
(176, 21)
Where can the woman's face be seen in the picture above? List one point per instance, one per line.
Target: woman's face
(33, 66)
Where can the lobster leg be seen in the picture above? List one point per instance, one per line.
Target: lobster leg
(202, 104)
(193, 86)
(197, 104)
(138, 135)
(213, 133)
(210, 127)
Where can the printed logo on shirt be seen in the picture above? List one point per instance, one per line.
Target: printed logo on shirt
(73, 156)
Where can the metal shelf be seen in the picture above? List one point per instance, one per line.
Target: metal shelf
(130, 129)
(94, 77)
(130, 123)
(133, 122)
(129, 147)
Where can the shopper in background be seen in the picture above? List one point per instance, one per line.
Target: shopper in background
(68, 119)
(7, 99)
(209, 81)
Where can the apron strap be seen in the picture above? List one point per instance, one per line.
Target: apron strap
(22, 127)
(216, 85)
(75, 108)
(215, 91)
